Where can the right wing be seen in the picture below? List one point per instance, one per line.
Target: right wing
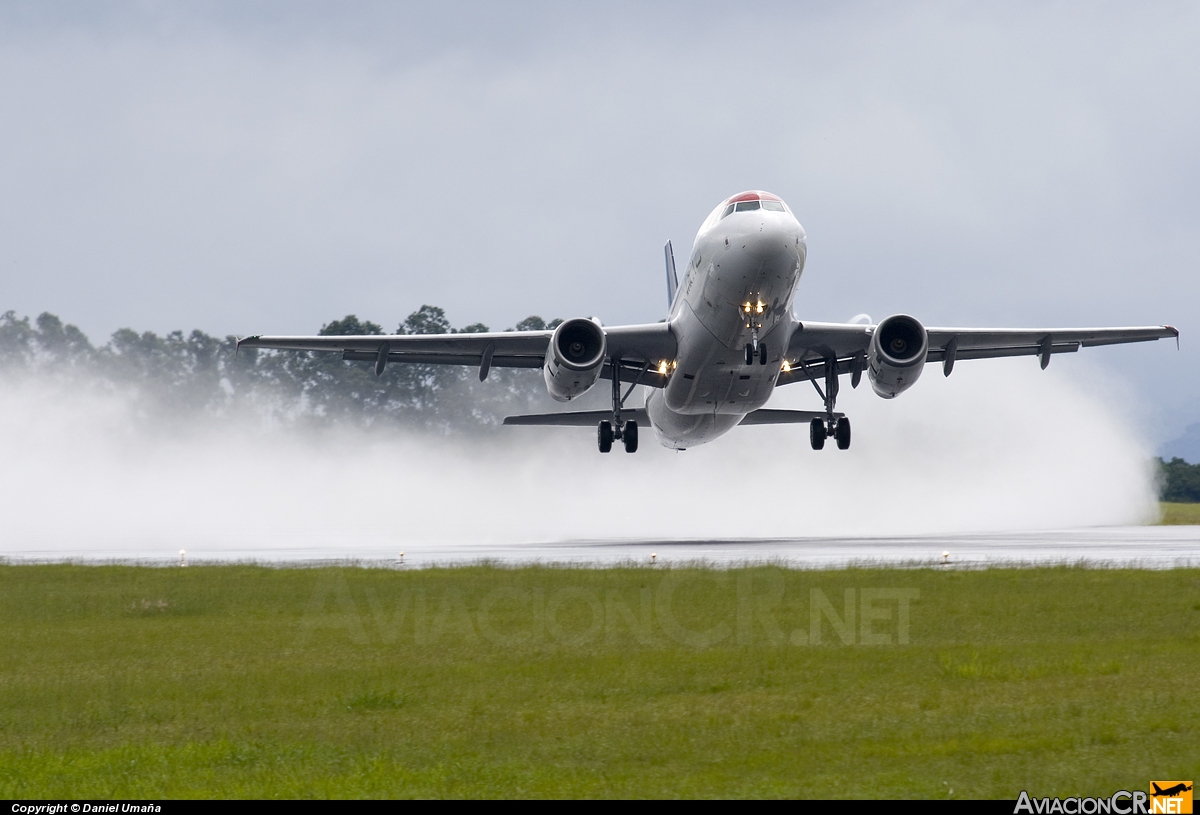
(812, 343)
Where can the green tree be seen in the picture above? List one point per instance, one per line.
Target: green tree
(1180, 481)
(350, 326)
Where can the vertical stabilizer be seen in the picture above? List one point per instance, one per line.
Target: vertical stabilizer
(672, 280)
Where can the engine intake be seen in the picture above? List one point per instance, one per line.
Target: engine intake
(897, 355)
(574, 359)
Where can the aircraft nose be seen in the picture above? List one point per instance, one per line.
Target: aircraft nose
(764, 240)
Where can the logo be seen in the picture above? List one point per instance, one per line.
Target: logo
(1170, 797)
(1165, 798)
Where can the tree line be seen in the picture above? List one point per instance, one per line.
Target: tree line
(1179, 481)
(178, 375)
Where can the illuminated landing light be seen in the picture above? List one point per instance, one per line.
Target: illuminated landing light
(662, 367)
(759, 306)
(787, 366)
(746, 307)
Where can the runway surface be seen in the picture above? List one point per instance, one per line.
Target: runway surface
(1145, 546)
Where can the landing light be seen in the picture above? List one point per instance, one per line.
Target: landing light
(662, 367)
(787, 366)
(760, 307)
(746, 307)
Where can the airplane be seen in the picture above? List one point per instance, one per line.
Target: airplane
(1170, 792)
(729, 340)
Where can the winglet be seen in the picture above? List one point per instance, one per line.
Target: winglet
(1174, 331)
(238, 345)
(672, 279)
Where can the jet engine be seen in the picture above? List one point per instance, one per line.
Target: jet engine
(897, 354)
(574, 359)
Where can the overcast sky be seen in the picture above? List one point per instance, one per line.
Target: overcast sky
(267, 167)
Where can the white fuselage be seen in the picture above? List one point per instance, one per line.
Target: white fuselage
(738, 283)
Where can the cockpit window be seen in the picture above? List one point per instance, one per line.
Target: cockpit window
(751, 205)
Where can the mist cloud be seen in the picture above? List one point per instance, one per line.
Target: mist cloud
(999, 446)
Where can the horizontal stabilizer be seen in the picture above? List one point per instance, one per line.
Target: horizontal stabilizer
(785, 416)
(577, 418)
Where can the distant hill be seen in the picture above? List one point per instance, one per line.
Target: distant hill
(1186, 447)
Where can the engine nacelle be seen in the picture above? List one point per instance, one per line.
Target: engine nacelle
(897, 355)
(574, 359)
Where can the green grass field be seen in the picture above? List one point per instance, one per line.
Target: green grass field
(479, 681)
(1179, 514)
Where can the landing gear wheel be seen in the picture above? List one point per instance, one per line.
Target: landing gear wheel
(749, 354)
(843, 433)
(816, 433)
(762, 353)
(604, 436)
(629, 436)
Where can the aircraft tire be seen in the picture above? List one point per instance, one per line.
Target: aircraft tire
(843, 433)
(604, 436)
(762, 353)
(749, 354)
(630, 437)
(816, 433)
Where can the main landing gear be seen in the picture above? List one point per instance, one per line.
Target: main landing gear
(625, 432)
(821, 429)
(818, 431)
(628, 435)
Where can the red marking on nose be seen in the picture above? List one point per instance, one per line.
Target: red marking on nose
(753, 195)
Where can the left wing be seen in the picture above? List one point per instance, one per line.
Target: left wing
(636, 346)
(813, 343)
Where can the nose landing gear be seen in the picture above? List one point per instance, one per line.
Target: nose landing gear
(754, 348)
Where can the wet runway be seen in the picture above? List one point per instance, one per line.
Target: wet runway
(1145, 546)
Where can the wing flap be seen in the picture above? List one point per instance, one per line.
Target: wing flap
(509, 343)
(498, 360)
(938, 354)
